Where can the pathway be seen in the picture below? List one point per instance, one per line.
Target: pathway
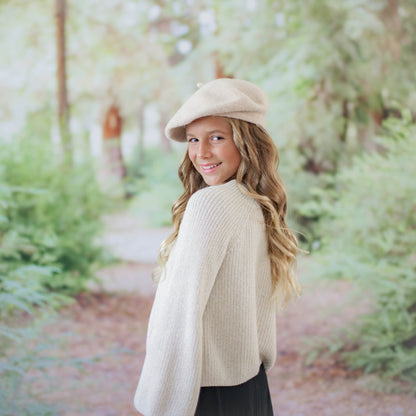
(116, 320)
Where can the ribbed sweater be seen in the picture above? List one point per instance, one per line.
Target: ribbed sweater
(213, 318)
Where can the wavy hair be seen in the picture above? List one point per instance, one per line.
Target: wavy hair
(256, 177)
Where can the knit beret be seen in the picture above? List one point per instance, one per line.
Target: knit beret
(234, 98)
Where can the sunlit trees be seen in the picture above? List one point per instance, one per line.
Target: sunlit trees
(334, 69)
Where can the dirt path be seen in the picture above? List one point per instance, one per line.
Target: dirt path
(112, 323)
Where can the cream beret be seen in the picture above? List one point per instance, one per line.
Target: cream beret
(225, 97)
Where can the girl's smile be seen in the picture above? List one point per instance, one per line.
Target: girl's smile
(212, 150)
(209, 168)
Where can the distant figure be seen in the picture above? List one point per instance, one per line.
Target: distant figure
(227, 267)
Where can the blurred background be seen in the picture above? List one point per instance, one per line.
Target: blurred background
(86, 89)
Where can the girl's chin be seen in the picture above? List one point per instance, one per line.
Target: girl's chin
(212, 180)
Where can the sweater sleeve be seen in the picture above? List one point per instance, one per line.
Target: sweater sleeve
(171, 376)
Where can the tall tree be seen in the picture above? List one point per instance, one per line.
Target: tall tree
(111, 131)
(62, 92)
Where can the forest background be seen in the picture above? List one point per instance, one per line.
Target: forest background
(87, 88)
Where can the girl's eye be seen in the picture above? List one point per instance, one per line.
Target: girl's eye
(216, 138)
(192, 140)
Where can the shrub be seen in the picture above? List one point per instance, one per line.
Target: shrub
(50, 216)
(157, 186)
(369, 237)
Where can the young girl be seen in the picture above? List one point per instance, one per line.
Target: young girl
(227, 266)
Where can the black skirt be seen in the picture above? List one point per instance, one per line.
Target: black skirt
(251, 398)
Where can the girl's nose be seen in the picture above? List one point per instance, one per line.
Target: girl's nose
(203, 150)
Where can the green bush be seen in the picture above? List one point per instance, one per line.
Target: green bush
(50, 215)
(369, 237)
(157, 186)
(298, 184)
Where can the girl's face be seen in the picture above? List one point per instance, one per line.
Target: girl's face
(212, 150)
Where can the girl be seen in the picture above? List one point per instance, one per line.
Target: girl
(227, 266)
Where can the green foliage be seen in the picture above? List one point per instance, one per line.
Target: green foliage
(158, 186)
(49, 216)
(49, 220)
(298, 184)
(332, 68)
(369, 238)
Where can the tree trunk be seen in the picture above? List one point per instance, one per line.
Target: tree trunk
(391, 18)
(219, 68)
(112, 128)
(346, 117)
(63, 109)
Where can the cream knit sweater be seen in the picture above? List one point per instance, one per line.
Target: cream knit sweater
(213, 320)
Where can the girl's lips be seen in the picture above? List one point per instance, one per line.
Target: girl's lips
(208, 168)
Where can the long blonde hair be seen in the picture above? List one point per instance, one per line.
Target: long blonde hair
(256, 177)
